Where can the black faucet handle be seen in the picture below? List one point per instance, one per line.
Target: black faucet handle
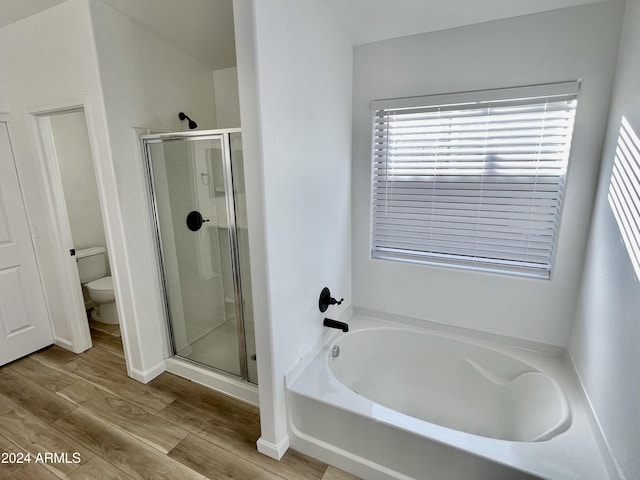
(326, 299)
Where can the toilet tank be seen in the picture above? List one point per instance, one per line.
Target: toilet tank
(92, 263)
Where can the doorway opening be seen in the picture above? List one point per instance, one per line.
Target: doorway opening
(87, 292)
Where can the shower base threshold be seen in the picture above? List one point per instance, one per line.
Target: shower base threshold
(244, 391)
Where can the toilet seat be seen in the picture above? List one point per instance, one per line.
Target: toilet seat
(101, 290)
(92, 270)
(101, 284)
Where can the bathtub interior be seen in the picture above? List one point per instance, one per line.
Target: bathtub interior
(454, 384)
(330, 421)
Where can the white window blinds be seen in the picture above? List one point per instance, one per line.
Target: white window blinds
(472, 180)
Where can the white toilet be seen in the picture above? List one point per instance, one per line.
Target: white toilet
(92, 267)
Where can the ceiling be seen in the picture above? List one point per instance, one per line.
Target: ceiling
(201, 28)
(204, 28)
(367, 21)
(13, 10)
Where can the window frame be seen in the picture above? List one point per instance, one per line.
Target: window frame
(533, 95)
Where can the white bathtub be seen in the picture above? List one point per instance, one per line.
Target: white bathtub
(405, 403)
(451, 383)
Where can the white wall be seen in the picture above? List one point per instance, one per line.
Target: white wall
(569, 44)
(4, 72)
(606, 334)
(47, 60)
(145, 83)
(295, 67)
(73, 152)
(145, 80)
(227, 98)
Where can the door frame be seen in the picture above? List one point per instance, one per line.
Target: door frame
(39, 124)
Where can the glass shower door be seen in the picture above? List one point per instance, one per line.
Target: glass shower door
(194, 205)
(239, 193)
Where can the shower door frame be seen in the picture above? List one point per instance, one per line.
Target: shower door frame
(224, 136)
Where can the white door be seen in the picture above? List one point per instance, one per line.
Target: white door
(24, 322)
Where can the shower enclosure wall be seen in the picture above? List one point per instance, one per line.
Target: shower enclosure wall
(196, 182)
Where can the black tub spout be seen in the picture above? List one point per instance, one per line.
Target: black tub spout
(336, 324)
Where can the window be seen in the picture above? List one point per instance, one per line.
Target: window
(472, 180)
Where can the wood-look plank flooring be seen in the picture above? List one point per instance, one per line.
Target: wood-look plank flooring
(56, 402)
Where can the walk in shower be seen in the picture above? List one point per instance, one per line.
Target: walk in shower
(197, 191)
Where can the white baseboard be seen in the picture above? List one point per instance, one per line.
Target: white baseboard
(62, 343)
(271, 449)
(149, 374)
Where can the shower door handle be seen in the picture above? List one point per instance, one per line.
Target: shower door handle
(195, 221)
